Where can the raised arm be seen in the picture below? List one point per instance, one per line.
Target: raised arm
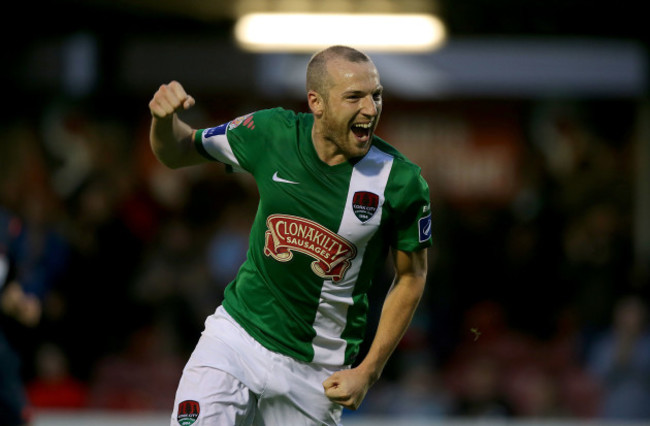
(349, 387)
(170, 137)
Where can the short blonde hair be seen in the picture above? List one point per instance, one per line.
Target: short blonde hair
(318, 78)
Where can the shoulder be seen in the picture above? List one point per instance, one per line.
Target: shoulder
(277, 116)
(405, 185)
(272, 120)
(401, 163)
(261, 125)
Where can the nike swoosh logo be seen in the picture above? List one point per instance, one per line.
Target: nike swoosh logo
(276, 178)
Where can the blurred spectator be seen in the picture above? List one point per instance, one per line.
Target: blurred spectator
(228, 246)
(104, 255)
(418, 391)
(537, 393)
(523, 374)
(13, 401)
(14, 306)
(33, 256)
(173, 282)
(142, 376)
(186, 268)
(597, 260)
(620, 360)
(53, 387)
(481, 393)
(476, 370)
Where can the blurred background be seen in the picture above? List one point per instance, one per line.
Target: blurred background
(530, 124)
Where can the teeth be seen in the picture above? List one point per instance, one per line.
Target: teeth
(363, 126)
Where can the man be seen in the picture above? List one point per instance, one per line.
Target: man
(32, 257)
(334, 198)
(17, 309)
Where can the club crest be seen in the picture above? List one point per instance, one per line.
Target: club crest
(364, 205)
(188, 412)
(245, 120)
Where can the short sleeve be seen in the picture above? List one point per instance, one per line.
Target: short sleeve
(413, 215)
(239, 143)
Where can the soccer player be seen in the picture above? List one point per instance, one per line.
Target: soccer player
(334, 200)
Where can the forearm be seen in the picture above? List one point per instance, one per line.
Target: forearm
(170, 137)
(397, 313)
(171, 141)
(348, 387)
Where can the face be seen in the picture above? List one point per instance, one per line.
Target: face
(347, 116)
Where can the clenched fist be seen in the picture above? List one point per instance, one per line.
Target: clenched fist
(168, 99)
(347, 388)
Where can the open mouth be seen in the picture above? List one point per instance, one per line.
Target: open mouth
(362, 130)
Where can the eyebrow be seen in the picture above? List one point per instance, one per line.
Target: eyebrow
(378, 89)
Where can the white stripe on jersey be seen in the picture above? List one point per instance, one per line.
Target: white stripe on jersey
(217, 145)
(370, 174)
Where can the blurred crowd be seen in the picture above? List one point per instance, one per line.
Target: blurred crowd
(534, 307)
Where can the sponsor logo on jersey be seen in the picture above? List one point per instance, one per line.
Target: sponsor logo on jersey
(364, 205)
(286, 234)
(245, 120)
(424, 225)
(188, 412)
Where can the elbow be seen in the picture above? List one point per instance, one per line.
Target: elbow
(171, 149)
(170, 164)
(169, 155)
(166, 160)
(412, 285)
(417, 284)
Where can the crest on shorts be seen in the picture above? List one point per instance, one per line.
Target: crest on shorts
(188, 412)
(364, 205)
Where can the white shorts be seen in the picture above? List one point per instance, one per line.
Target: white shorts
(231, 379)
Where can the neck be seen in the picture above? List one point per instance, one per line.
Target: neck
(328, 152)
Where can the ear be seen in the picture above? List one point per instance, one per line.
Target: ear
(315, 102)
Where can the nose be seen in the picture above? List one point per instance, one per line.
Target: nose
(369, 106)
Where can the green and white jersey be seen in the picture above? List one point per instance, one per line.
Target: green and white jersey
(320, 235)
